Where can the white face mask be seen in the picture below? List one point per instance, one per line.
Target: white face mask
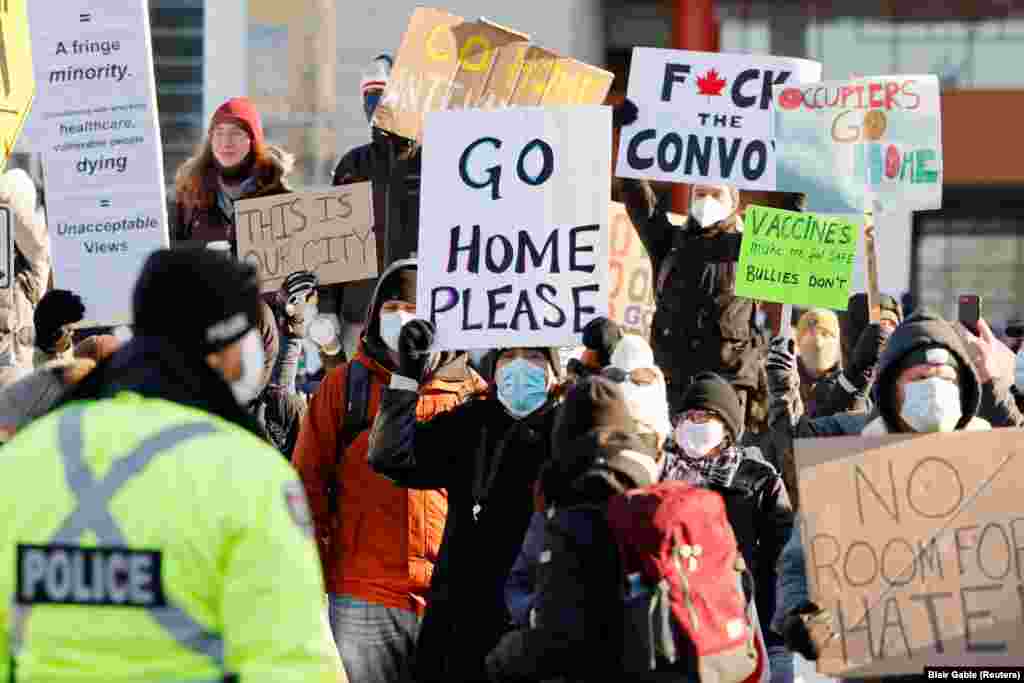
(707, 211)
(698, 439)
(391, 325)
(309, 313)
(931, 405)
(312, 352)
(1019, 374)
(247, 387)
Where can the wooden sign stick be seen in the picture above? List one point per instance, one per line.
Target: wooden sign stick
(871, 257)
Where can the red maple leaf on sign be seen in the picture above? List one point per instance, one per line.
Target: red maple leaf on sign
(710, 83)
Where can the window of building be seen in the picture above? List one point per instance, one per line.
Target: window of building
(177, 30)
(970, 252)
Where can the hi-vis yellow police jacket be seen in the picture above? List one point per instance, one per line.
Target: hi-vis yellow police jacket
(141, 540)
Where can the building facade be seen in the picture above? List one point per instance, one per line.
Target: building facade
(302, 62)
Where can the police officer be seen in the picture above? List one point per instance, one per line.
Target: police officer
(147, 533)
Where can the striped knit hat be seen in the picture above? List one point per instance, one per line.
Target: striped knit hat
(373, 83)
(376, 76)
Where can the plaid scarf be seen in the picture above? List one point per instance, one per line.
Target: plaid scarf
(718, 470)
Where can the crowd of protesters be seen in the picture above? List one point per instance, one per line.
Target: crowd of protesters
(460, 503)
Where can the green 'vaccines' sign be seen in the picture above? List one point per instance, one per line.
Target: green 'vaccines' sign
(803, 259)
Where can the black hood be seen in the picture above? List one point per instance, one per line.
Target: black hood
(924, 328)
(373, 345)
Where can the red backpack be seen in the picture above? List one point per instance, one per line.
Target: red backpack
(683, 590)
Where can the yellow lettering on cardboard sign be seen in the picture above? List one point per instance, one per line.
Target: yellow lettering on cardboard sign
(486, 52)
(475, 54)
(517, 66)
(433, 53)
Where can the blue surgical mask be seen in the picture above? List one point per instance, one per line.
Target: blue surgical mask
(522, 387)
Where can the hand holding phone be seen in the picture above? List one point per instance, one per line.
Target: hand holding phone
(969, 311)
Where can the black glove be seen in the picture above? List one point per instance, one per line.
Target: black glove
(779, 365)
(796, 629)
(625, 114)
(600, 336)
(56, 310)
(864, 356)
(576, 368)
(414, 348)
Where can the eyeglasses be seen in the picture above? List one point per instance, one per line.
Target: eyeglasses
(640, 376)
(697, 416)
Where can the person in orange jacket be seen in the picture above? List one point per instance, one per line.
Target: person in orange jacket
(378, 542)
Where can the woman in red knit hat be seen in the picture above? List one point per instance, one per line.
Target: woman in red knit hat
(234, 163)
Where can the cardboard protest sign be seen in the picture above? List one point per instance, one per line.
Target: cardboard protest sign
(445, 62)
(17, 84)
(102, 156)
(848, 142)
(513, 241)
(705, 116)
(916, 545)
(803, 259)
(630, 276)
(328, 232)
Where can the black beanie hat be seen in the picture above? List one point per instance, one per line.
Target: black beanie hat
(610, 462)
(712, 393)
(590, 403)
(222, 296)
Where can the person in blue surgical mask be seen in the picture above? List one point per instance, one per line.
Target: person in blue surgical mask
(487, 453)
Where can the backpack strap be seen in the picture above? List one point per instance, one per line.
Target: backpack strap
(354, 421)
(357, 403)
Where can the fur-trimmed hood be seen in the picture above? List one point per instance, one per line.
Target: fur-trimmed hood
(18, 191)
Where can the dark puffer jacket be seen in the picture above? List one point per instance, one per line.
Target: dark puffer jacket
(699, 323)
(488, 462)
(392, 164)
(758, 507)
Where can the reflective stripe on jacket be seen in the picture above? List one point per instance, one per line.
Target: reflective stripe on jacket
(204, 533)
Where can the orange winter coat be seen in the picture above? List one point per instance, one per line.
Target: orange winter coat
(382, 543)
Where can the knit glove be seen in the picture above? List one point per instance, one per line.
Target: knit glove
(781, 366)
(56, 312)
(806, 626)
(864, 357)
(600, 336)
(625, 114)
(414, 343)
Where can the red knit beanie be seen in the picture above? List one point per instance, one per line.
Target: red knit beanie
(240, 110)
